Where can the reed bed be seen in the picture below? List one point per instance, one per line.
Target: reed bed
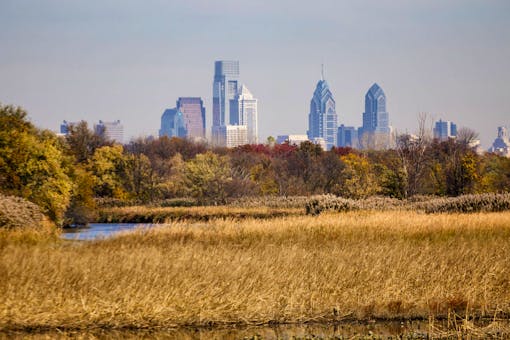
(334, 267)
(148, 214)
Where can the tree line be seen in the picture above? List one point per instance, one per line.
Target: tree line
(65, 176)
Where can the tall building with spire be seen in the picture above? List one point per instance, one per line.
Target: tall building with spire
(376, 131)
(322, 119)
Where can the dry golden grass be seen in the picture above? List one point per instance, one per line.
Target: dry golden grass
(147, 214)
(292, 269)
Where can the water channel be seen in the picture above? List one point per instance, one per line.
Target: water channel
(100, 230)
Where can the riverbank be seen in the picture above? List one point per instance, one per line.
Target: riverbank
(327, 268)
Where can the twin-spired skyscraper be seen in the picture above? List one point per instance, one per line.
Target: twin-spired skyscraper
(375, 133)
(234, 108)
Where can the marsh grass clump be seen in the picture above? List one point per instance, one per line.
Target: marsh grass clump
(319, 204)
(22, 222)
(270, 201)
(147, 214)
(16, 212)
(468, 204)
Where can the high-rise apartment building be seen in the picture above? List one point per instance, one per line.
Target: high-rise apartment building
(113, 131)
(244, 112)
(443, 130)
(322, 120)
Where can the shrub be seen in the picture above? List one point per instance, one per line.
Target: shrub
(178, 202)
(468, 203)
(319, 204)
(270, 201)
(15, 212)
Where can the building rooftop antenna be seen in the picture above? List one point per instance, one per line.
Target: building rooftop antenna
(322, 71)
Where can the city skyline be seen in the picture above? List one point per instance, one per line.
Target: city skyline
(125, 60)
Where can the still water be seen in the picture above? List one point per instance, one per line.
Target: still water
(100, 230)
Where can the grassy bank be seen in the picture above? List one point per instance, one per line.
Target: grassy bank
(148, 214)
(293, 269)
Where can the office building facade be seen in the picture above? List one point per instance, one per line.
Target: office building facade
(231, 136)
(322, 119)
(186, 120)
(501, 145)
(443, 130)
(193, 115)
(347, 136)
(244, 112)
(113, 131)
(233, 105)
(225, 87)
(376, 132)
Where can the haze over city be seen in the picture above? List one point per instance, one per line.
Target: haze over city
(130, 60)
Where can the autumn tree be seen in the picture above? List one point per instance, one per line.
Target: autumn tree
(358, 178)
(107, 166)
(206, 177)
(83, 142)
(32, 164)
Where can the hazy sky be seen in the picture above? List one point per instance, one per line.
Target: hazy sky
(129, 60)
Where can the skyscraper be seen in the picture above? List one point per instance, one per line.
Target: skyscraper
(501, 145)
(186, 120)
(225, 85)
(168, 123)
(375, 117)
(347, 136)
(243, 111)
(322, 120)
(376, 132)
(444, 130)
(233, 105)
(193, 113)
